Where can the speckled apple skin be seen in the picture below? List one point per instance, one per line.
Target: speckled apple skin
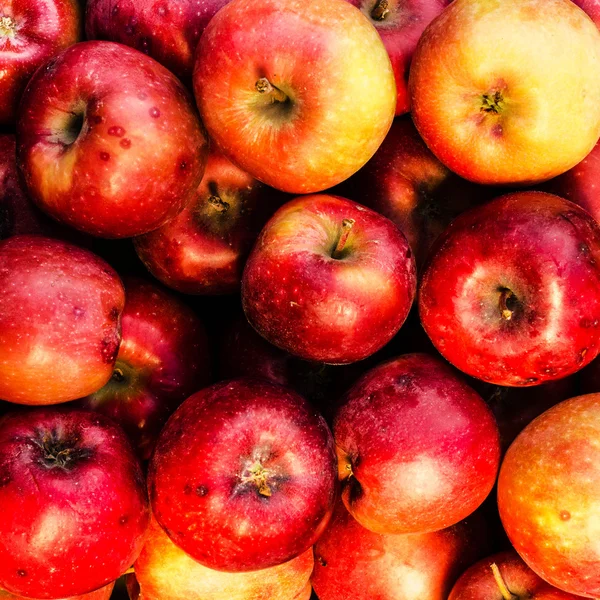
(549, 492)
(60, 329)
(195, 479)
(418, 448)
(141, 152)
(547, 251)
(103, 593)
(67, 530)
(324, 309)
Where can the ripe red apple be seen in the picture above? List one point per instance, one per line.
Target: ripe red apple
(60, 310)
(504, 576)
(31, 31)
(109, 141)
(329, 280)
(104, 593)
(243, 476)
(73, 503)
(168, 31)
(418, 449)
(163, 358)
(204, 248)
(165, 572)
(303, 100)
(511, 293)
(484, 97)
(549, 492)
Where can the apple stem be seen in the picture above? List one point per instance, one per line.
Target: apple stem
(7, 27)
(264, 86)
(506, 593)
(347, 225)
(507, 298)
(380, 10)
(118, 375)
(218, 204)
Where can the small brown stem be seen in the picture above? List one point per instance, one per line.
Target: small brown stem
(507, 298)
(264, 86)
(218, 204)
(7, 27)
(118, 375)
(380, 10)
(347, 225)
(506, 593)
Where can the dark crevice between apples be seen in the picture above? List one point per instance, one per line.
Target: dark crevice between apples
(59, 451)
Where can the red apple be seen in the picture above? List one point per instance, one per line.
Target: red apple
(109, 141)
(243, 476)
(31, 31)
(60, 310)
(592, 8)
(511, 293)
(168, 31)
(484, 97)
(329, 280)
(504, 576)
(163, 359)
(104, 593)
(73, 502)
(549, 492)
(204, 248)
(302, 99)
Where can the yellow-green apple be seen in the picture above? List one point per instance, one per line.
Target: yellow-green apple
(104, 593)
(494, 107)
(60, 329)
(243, 476)
(165, 572)
(163, 358)
(511, 291)
(549, 493)
(73, 501)
(204, 248)
(109, 141)
(329, 280)
(302, 99)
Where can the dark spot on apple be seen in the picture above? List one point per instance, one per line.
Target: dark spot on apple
(187, 490)
(5, 479)
(114, 313)
(497, 130)
(201, 491)
(584, 249)
(125, 143)
(97, 119)
(565, 515)
(78, 311)
(123, 520)
(116, 131)
(183, 165)
(104, 156)
(321, 560)
(404, 380)
(109, 348)
(154, 112)
(588, 323)
(22, 573)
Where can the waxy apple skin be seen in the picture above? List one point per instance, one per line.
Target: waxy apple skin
(244, 476)
(548, 495)
(325, 308)
(592, 8)
(511, 292)
(60, 311)
(74, 503)
(103, 593)
(109, 141)
(312, 80)
(418, 449)
(484, 97)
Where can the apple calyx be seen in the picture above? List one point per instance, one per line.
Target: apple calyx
(508, 303)
(264, 86)
(347, 225)
(380, 10)
(68, 134)
(492, 102)
(60, 452)
(218, 203)
(506, 593)
(258, 476)
(8, 27)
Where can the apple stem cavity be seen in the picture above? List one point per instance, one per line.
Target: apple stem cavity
(118, 375)
(347, 225)
(218, 204)
(8, 27)
(264, 86)
(380, 10)
(506, 593)
(257, 475)
(492, 102)
(508, 303)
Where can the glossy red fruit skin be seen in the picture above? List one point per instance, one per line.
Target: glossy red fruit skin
(546, 252)
(74, 503)
(139, 155)
(103, 593)
(163, 358)
(200, 476)
(60, 311)
(325, 309)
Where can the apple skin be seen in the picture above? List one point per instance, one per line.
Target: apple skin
(480, 90)
(328, 92)
(60, 312)
(507, 320)
(548, 494)
(31, 31)
(204, 248)
(163, 358)
(168, 31)
(104, 593)
(243, 476)
(322, 308)
(592, 8)
(418, 449)
(74, 502)
(109, 141)
(165, 572)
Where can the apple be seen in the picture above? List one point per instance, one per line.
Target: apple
(165, 572)
(301, 99)
(163, 358)
(329, 280)
(31, 31)
(504, 576)
(511, 292)
(243, 476)
(168, 31)
(104, 593)
(108, 140)
(204, 248)
(73, 501)
(418, 449)
(484, 97)
(60, 311)
(592, 8)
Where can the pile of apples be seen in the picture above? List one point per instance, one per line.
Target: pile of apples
(299, 299)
